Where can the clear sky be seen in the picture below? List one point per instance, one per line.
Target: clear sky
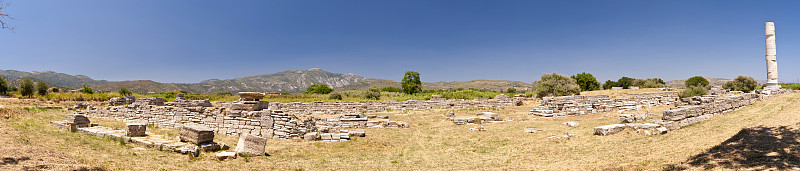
(193, 40)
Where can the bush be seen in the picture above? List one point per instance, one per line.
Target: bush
(224, 94)
(649, 83)
(741, 83)
(696, 81)
(26, 89)
(609, 84)
(41, 88)
(87, 90)
(624, 82)
(55, 90)
(511, 90)
(392, 89)
(411, 82)
(318, 89)
(3, 86)
(335, 96)
(586, 81)
(373, 95)
(555, 84)
(693, 91)
(125, 92)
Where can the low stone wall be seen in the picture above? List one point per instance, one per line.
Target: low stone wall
(371, 107)
(683, 116)
(238, 118)
(588, 104)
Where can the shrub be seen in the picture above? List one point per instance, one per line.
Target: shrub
(125, 92)
(224, 94)
(586, 81)
(696, 81)
(609, 84)
(693, 91)
(184, 92)
(335, 96)
(3, 86)
(26, 89)
(624, 82)
(373, 95)
(741, 83)
(13, 88)
(318, 89)
(649, 83)
(55, 90)
(555, 84)
(87, 89)
(511, 90)
(41, 88)
(392, 89)
(411, 82)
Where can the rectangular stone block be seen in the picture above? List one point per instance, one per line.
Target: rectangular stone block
(197, 134)
(78, 119)
(251, 145)
(135, 129)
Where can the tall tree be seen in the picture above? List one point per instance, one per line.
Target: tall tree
(411, 83)
(41, 88)
(26, 89)
(586, 81)
(625, 82)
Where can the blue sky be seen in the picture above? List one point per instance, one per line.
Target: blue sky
(190, 41)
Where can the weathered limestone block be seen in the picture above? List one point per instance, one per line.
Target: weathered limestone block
(197, 134)
(608, 129)
(78, 119)
(135, 129)
(251, 96)
(226, 155)
(313, 136)
(358, 133)
(251, 145)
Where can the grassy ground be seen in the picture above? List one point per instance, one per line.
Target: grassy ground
(433, 143)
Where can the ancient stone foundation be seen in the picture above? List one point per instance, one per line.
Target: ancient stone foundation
(588, 104)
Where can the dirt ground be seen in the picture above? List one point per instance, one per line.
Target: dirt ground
(761, 136)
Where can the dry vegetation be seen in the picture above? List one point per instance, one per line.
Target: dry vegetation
(433, 143)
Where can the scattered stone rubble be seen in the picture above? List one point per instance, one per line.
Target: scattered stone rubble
(81, 124)
(436, 102)
(588, 104)
(532, 130)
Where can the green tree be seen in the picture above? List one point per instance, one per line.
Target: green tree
(624, 82)
(511, 90)
(696, 81)
(87, 90)
(555, 84)
(55, 90)
(609, 84)
(3, 87)
(318, 89)
(586, 81)
(125, 92)
(26, 89)
(411, 83)
(41, 88)
(741, 83)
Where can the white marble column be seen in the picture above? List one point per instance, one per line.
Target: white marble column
(772, 63)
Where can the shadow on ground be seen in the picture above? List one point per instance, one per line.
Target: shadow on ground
(756, 147)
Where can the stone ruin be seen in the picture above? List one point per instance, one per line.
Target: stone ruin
(248, 117)
(690, 111)
(192, 140)
(482, 117)
(589, 104)
(436, 102)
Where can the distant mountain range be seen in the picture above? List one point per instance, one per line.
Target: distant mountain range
(292, 81)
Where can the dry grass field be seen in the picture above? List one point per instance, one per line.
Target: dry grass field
(760, 136)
